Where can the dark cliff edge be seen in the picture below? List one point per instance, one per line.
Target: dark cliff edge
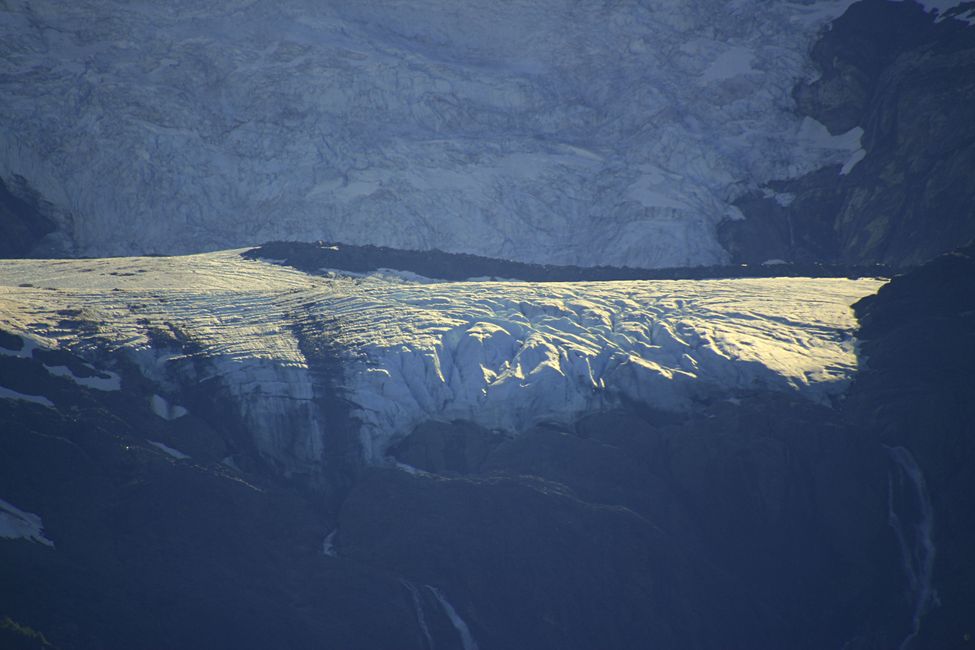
(22, 221)
(756, 522)
(326, 257)
(908, 80)
(917, 392)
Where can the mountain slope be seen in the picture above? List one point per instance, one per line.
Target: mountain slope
(907, 77)
(183, 437)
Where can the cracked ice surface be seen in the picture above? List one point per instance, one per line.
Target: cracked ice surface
(507, 355)
(238, 315)
(502, 354)
(541, 130)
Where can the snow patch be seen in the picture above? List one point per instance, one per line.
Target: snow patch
(815, 135)
(328, 544)
(6, 393)
(855, 157)
(942, 8)
(17, 524)
(169, 451)
(421, 619)
(25, 352)
(466, 638)
(161, 407)
(784, 199)
(110, 383)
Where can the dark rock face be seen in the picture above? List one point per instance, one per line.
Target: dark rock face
(22, 224)
(909, 82)
(918, 392)
(327, 257)
(626, 532)
(447, 447)
(151, 551)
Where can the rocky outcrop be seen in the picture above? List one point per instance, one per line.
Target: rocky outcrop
(906, 77)
(325, 258)
(164, 533)
(22, 224)
(916, 393)
(757, 524)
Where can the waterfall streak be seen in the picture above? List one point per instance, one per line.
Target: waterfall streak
(466, 638)
(328, 545)
(420, 617)
(911, 517)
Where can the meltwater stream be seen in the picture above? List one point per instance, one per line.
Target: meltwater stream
(421, 618)
(466, 638)
(464, 633)
(911, 517)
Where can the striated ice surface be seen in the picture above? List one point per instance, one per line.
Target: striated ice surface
(542, 130)
(507, 355)
(239, 315)
(503, 354)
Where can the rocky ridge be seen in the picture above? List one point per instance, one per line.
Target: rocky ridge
(907, 77)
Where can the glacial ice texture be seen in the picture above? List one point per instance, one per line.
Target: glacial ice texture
(505, 355)
(539, 130)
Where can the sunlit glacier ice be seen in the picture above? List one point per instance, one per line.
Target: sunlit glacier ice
(505, 355)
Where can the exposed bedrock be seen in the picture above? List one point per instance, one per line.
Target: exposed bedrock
(908, 79)
(22, 221)
(165, 530)
(916, 393)
(758, 524)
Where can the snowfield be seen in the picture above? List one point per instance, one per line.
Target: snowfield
(547, 131)
(505, 355)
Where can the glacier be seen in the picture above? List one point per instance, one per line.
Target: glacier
(544, 131)
(504, 355)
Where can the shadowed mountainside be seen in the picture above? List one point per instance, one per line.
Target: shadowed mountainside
(906, 77)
